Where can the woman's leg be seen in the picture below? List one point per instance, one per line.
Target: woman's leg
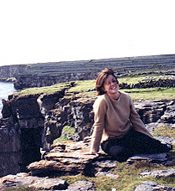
(140, 143)
(116, 149)
(133, 143)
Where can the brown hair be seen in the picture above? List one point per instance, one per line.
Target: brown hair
(101, 80)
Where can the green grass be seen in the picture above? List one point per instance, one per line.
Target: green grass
(69, 130)
(139, 94)
(128, 177)
(164, 131)
(84, 85)
(82, 88)
(136, 78)
(152, 93)
(141, 78)
(136, 94)
(46, 89)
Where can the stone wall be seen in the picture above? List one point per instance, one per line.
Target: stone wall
(43, 74)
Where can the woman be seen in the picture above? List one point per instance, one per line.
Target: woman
(117, 125)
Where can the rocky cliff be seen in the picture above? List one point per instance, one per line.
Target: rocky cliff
(11, 71)
(31, 123)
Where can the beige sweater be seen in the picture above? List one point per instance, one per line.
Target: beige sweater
(114, 118)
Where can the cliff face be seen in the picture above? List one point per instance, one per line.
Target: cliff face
(21, 131)
(29, 80)
(12, 71)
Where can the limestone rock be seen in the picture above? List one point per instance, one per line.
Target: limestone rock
(10, 147)
(159, 173)
(71, 160)
(68, 158)
(25, 107)
(153, 186)
(23, 179)
(169, 115)
(159, 158)
(47, 102)
(6, 110)
(82, 186)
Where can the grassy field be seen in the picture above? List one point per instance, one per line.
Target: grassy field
(83, 88)
(87, 89)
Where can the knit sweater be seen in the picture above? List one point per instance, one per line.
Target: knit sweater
(114, 118)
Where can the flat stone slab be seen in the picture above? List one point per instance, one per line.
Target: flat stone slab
(153, 186)
(68, 158)
(159, 173)
(159, 158)
(23, 179)
(82, 186)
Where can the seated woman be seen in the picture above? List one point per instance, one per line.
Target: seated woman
(117, 125)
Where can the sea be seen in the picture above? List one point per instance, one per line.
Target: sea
(6, 88)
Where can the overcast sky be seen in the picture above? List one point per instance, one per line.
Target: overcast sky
(35, 31)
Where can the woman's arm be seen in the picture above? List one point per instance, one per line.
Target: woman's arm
(99, 121)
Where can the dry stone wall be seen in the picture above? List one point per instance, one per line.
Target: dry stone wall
(43, 74)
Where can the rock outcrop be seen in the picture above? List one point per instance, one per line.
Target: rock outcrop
(21, 131)
(10, 71)
(31, 123)
(35, 121)
(153, 186)
(67, 159)
(21, 180)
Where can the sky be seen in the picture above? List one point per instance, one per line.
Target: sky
(35, 31)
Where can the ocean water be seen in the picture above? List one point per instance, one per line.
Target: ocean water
(6, 88)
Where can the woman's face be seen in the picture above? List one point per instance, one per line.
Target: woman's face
(111, 86)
